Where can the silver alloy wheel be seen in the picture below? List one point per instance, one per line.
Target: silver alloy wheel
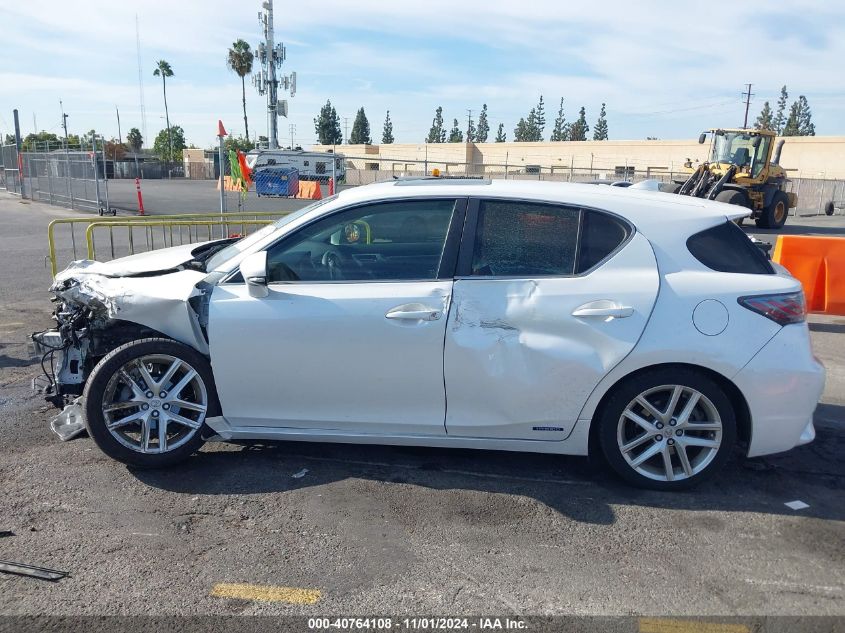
(669, 433)
(155, 403)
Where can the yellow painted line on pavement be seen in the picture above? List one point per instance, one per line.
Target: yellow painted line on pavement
(665, 625)
(265, 593)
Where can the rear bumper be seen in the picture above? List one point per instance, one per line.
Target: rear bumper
(782, 385)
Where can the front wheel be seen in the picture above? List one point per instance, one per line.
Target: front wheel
(667, 429)
(146, 402)
(774, 216)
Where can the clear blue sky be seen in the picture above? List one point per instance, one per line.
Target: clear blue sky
(663, 68)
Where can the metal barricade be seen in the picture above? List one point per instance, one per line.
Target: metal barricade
(229, 220)
(189, 232)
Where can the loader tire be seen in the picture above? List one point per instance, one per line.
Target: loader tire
(774, 216)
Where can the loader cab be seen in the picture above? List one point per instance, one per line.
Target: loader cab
(749, 150)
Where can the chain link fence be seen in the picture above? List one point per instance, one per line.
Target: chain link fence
(10, 176)
(70, 178)
(815, 196)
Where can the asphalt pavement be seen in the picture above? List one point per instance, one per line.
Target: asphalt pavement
(372, 530)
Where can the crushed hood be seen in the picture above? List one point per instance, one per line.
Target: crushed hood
(165, 259)
(129, 289)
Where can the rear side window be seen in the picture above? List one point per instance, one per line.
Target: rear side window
(601, 234)
(523, 239)
(727, 249)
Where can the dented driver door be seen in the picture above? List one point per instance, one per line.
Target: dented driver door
(529, 337)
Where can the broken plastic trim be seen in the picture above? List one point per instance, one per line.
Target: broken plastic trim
(41, 573)
(70, 422)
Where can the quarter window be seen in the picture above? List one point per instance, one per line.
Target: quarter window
(727, 249)
(390, 241)
(525, 239)
(601, 234)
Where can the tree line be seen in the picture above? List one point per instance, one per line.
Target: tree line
(798, 122)
(530, 128)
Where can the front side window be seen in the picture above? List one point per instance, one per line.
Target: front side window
(392, 241)
(525, 239)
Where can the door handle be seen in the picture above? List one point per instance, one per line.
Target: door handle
(414, 312)
(603, 308)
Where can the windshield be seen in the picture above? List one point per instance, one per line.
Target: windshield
(737, 148)
(254, 238)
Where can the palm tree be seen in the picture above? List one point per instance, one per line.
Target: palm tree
(164, 71)
(240, 62)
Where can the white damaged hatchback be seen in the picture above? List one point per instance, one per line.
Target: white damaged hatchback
(522, 316)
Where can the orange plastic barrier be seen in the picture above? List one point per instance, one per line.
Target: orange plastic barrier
(229, 184)
(309, 190)
(819, 264)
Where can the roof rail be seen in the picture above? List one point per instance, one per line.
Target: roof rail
(411, 181)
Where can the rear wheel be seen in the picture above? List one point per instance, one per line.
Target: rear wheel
(146, 402)
(774, 216)
(667, 429)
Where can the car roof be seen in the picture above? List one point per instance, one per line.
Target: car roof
(648, 211)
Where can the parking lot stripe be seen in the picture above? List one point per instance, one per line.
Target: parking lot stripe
(665, 625)
(265, 593)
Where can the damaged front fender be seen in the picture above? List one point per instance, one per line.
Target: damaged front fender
(160, 302)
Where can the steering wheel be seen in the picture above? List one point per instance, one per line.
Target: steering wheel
(336, 262)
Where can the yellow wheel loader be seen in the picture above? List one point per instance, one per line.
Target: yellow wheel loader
(741, 170)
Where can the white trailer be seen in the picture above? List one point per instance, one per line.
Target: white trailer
(311, 165)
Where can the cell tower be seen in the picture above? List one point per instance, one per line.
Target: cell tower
(140, 83)
(271, 56)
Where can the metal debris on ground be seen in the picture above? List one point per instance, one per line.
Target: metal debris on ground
(300, 474)
(796, 505)
(69, 423)
(41, 573)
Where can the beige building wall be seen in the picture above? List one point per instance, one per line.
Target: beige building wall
(805, 157)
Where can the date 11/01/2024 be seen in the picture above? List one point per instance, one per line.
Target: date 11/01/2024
(418, 624)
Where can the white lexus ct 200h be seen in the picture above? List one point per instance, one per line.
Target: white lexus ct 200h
(523, 316)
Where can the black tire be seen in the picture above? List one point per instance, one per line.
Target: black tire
(95, 388)
(774, 216)
(828, 208)
(734, 197)
(610, 415)
(731, 196)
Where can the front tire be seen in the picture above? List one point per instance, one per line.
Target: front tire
(146, 402)
(667, 429)
(774, 216)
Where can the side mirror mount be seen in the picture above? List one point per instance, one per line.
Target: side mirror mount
(756, 142)
(702, 137)
(254, 272)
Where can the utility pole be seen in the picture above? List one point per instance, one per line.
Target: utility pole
(747, 94)
(346, 130)
(271, 56)
(292, 130)
(68, 182)
(119, 135)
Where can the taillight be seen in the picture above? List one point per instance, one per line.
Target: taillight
(783, 309)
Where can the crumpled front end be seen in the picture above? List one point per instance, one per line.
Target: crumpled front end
(97, 311)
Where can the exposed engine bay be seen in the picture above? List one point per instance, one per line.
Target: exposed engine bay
(101, 306)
